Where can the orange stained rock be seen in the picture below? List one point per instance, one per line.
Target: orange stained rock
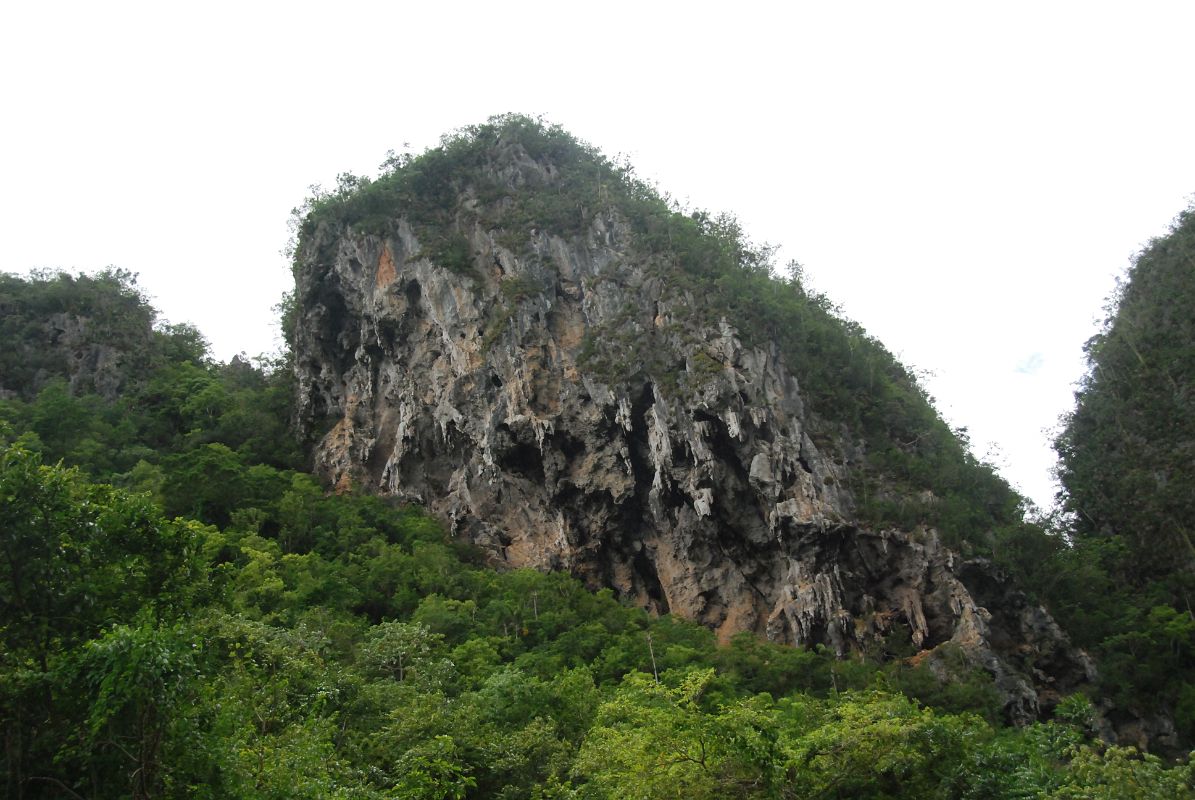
(386, 273)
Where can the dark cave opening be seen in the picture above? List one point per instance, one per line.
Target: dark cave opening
(519, 458)
(413, 291)
(645, 568)
(388, 334)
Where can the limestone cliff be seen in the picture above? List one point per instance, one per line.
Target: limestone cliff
(552, 392)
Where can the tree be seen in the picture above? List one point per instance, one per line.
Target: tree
(398, 648)
(653, 741)
(137, 677)
(90, 580)
(1120, 773)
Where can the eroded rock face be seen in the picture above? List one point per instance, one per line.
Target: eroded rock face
(686, 477)
(91, 366)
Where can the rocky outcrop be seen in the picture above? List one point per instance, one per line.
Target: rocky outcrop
(556, 403)
(91, 366)
(64, 347)
(92, 332)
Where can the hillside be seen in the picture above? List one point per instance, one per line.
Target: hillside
(1127, 466)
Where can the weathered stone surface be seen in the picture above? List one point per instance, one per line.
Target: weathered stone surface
(91, 365)
(692, 486)
(70, 348)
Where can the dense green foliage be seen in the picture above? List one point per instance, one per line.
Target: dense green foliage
(333, 646)
(223, 628)
(172, 400)
(1127, 466)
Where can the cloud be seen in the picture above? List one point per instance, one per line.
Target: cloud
(1031, 365)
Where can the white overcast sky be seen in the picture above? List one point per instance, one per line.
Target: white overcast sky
(965, 179)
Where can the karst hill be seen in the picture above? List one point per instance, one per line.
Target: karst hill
(576, 375)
